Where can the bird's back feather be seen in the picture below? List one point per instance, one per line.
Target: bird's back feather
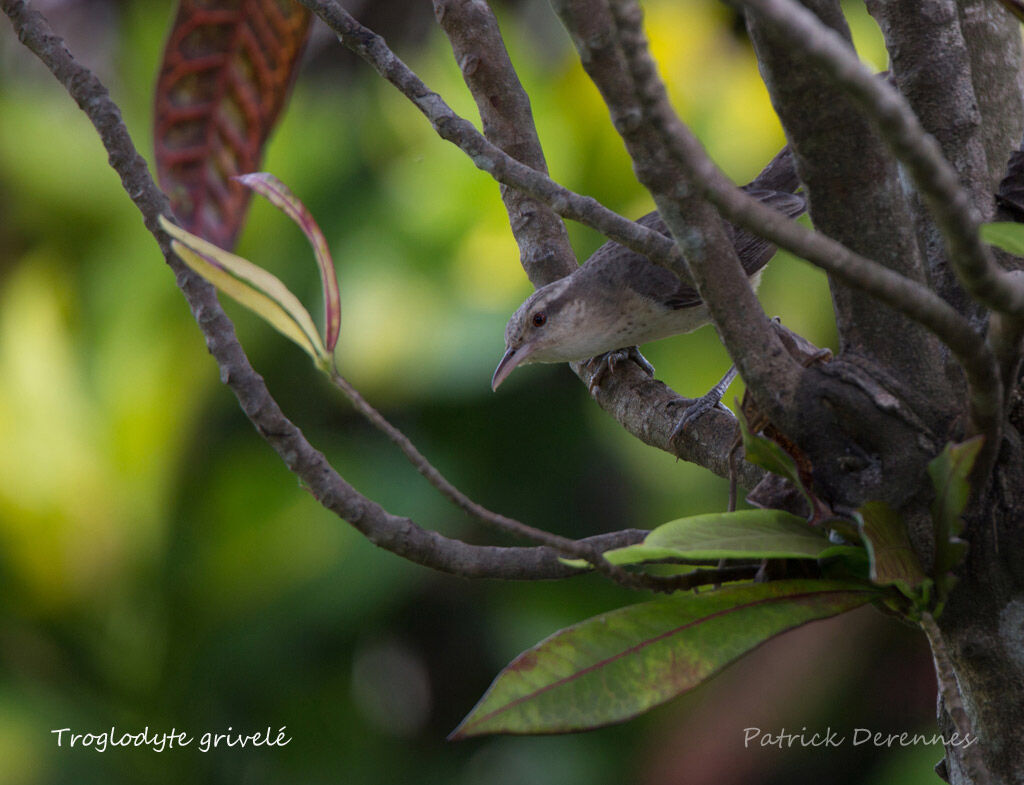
(617, 266)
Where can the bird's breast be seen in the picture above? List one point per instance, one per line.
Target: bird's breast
(600, 327)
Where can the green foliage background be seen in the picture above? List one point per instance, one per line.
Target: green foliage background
(158, 565)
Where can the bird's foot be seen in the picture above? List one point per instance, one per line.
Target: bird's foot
(606, 364)
(712, 399)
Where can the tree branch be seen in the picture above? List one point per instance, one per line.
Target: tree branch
(647, 409)
(396, 534)
(914, 300)
(993, 40)
(504, 107)
(767, 368)
(486, 156)
(950, 692)
(915, 148)
(942, 95)
(707, 442)
(856, 198)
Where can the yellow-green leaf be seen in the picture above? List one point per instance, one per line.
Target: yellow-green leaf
(1008, 235)
(744, 534)
(251, 286)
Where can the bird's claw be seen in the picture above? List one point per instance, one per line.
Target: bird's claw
(696, 410)
(712, 399)
(606, 364)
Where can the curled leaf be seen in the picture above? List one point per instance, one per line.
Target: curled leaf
(949, 472)
(769, 455)
(255, 288)
(279, 195)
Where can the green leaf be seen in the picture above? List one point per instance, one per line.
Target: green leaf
(251, 286)
(1007, 235)
(767, 454)
(949, 471)
(745, 534)
(617, 665)
(893, 561)
(279, 195)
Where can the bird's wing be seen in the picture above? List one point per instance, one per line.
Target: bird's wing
(617, 268)
(755, 252)
(620, 266)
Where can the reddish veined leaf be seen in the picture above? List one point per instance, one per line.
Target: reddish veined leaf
(226, 72)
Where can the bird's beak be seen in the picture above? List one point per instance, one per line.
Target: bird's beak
(512, 359)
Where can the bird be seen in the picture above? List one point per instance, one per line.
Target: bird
(619, 299)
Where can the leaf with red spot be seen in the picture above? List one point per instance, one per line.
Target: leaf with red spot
(617, 665)
(226, 72)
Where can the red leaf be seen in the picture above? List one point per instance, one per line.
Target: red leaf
(226, 72)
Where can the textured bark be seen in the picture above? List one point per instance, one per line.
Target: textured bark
(994, 46)
(983, 624)
(856, 197)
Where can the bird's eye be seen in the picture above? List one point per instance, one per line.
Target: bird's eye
(539, 319)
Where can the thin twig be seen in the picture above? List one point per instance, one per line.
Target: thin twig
(507, 118)
(449, 491)
(486, 156)
(950, 690)
(574, 548)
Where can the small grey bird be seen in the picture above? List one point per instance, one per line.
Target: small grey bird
(618, 299)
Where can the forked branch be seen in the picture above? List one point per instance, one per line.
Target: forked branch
(396, 534)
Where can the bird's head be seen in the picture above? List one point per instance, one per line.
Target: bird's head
(543, 330)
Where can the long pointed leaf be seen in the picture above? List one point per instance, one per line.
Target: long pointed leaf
(617, 665)
(745, 534)
(949, 472)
